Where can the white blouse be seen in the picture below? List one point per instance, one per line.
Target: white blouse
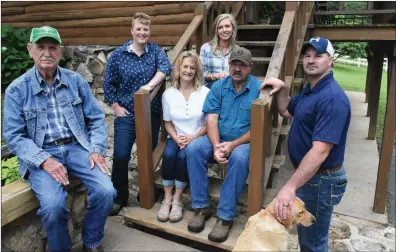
(187, 116)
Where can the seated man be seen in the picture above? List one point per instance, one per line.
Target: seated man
(228, 105)
(55, 127)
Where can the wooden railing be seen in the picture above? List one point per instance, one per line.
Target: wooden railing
(148, 159)
(265, 119)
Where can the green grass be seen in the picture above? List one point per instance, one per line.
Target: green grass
(352, 78)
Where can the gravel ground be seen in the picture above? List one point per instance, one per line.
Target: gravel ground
(391, 210)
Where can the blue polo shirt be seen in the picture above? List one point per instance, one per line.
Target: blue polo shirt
(233, 108)
(322, 114)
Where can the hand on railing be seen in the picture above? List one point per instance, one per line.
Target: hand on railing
(274, 83)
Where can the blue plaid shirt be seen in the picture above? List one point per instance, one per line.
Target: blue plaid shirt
(126, 73)
(212, 63)
(57, 127)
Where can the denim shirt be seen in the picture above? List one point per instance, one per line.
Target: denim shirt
(25, 117)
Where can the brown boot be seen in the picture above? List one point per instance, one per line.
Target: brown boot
(220, 230)
(197, 223)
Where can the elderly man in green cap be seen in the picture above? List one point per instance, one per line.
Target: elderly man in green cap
(55, 127)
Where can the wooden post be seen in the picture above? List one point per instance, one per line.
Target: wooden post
(381, 190)
(369, 76)
(258, 145)
(201, 31)
(372, 111)
(144, 148)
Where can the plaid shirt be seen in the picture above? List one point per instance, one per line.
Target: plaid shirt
(57, 127)
(212, 63)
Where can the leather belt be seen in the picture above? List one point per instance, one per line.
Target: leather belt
(324, 170)
(62, 141)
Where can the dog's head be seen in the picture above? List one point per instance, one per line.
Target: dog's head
(301, 215)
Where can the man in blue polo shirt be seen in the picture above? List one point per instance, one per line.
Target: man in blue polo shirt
(321, 114)
(228, 105)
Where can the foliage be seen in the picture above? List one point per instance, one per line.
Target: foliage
(15, 59)
(9, 170)
(267, 9)
(352, 49)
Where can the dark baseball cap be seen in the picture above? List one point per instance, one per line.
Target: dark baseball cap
(242, 54)
(320, 44)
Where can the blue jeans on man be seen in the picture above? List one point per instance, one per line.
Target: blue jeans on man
(52, 197)
(199, 152)
(174, 165)
(320, 194)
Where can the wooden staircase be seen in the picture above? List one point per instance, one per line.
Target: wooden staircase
(276, 50)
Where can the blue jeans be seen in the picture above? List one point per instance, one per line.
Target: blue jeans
(174, 165)
(199, 152)
(124, 138)
(320, 194)
(52, 197)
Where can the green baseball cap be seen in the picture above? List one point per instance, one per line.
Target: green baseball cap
(44, 32)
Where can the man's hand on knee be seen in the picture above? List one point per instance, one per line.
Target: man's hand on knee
(219, 156)
(97, 158)
(57, 170)
(226, 148)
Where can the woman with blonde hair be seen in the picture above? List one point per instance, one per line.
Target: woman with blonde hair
(216, 53)
(184, 122)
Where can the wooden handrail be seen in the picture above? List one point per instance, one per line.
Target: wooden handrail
(265, 120)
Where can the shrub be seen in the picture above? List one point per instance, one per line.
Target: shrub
(9, 170)
(15, 59)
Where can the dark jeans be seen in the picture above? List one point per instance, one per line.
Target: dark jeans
(124, 138)
(174, 165)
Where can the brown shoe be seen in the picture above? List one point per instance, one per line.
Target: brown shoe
(97, 249)
(220, 230)
(197, 223)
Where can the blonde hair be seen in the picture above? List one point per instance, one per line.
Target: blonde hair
(214, 42)
(142, 18)
(198, 78)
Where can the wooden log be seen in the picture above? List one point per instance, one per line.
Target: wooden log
(163, 41)
(121, 31)
(381, 190)
(102, 13)
(21, 3)
(12, 11)
(86, 5)
(184, 18)
(144, 148)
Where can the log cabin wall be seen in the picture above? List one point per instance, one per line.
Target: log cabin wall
(101, 23)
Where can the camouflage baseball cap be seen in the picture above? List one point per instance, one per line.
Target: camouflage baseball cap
(44, 32)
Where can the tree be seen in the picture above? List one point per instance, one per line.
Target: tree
(352, 49)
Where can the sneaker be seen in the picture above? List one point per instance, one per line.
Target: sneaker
(220, 230)
(197, 223)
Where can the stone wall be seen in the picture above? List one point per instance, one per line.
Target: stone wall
(27, 233)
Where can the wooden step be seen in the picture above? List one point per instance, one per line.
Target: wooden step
(256, 43)
(259, 27)
(265, 27)
(148, 218)
(277, 163)
(284, 131)
(215, 187)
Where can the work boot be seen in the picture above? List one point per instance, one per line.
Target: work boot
(97, 249)
(220, 230)
(115, 209)
(197, 223)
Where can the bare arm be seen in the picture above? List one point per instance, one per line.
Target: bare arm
(213, 129)
(170, 129)
(310, 164)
